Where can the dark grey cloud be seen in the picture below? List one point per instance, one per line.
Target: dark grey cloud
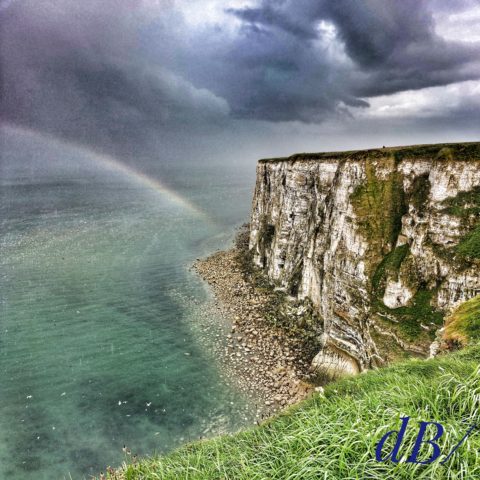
(114, 74)
(271, 16)
(76, 70)
(393, 46)
(273, 76)
(402, 51)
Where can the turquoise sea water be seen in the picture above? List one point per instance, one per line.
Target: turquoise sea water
(99, 345)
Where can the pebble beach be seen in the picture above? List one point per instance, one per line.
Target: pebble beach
(263, 361)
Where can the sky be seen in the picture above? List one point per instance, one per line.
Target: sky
(237, 80)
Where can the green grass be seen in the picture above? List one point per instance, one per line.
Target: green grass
(446, 151)
(463, 325)
(334, 436)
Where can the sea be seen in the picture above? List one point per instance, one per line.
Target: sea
(102, 337)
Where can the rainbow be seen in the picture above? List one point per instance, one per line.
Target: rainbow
(110, 163)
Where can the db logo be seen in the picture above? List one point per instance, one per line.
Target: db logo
(413, 458)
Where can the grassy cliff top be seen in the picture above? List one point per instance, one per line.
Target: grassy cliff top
(334, 435)
(441, 151)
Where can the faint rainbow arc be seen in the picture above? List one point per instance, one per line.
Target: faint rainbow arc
(111, 163)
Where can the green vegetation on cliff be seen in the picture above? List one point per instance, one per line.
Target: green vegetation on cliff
(419, 310)
(466, 206)
(333, 436)
(379, 205)
(411, 317)
(390, 265)
(447, 151)
(469, 247)
(462, 326)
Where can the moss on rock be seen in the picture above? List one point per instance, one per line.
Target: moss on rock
(466, 206)
(419, 310)
(462, 326)
(379, 205)
(390, 265)
(463, 205)
(469, 246)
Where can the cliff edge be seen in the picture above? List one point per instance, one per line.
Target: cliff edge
(383, 242)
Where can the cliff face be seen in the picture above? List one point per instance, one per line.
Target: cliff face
(383, 242)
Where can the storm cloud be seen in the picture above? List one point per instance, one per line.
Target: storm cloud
(75, 70)
(120, 72)
(393, 46)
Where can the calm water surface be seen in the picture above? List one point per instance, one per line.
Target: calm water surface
(98, 339)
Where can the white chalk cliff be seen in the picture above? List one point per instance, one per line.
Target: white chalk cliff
(383, 242)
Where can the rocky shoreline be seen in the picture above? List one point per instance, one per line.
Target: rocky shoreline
(263, 361)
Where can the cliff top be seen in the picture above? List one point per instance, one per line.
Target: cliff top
(440, 151)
